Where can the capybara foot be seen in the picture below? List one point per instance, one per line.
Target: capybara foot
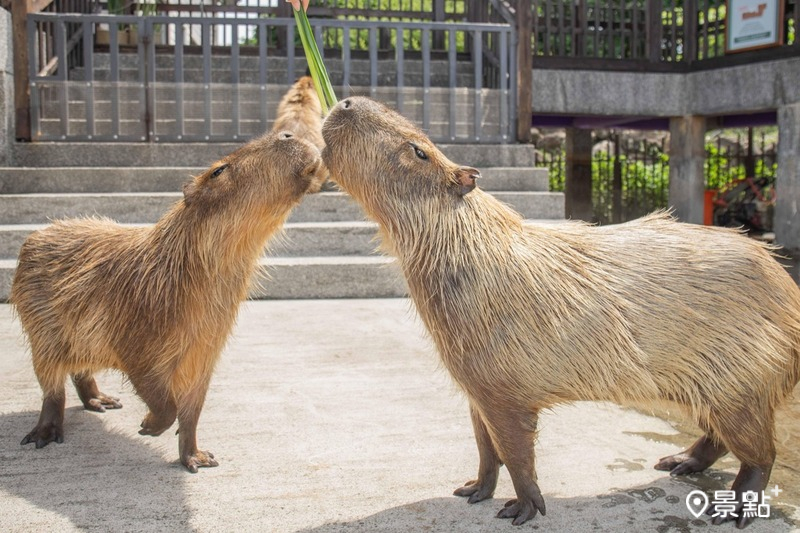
(199, 459)
(680, 464)
(101, 402)
(522, 510)
(747, 487)
(476, 490)
(44, 434)
(155, 425)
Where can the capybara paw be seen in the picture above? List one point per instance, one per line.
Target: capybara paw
(197, 460)
(44, 434)
(154, 426)
(525, 508)
(101, 402)
(680, 465)
(476, 491)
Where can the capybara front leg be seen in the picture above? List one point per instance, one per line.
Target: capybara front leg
(188, 416)
(514, 434)
(51, 420)
(90, 395)
(489, 467)
(158, 398)
(696, 458)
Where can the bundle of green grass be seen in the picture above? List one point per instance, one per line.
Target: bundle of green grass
(319, 73)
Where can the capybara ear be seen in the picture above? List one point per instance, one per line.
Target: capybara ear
(465, 178)
(189, 188)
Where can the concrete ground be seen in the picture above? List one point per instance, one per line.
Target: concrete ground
(334, 415)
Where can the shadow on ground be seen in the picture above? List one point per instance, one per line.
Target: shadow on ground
(114, 482)
(657, 506)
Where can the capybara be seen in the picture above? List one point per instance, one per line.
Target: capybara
(156, 303)
(301, 113)
(529, 316)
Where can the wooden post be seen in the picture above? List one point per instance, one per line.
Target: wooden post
(22, 96)
(524, 70)
(578, 180)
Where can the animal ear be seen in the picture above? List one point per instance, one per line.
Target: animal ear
(189, 189)
(465, 179)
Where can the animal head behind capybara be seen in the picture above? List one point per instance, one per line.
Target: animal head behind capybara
(301, 113)
(371, 148)
(261, 178)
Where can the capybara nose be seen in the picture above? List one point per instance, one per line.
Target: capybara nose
(347, 103)
(285, 135)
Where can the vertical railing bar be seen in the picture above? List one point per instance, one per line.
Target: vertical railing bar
(235, 79)
(561, 37)
(147, 86)
(451, 63)
(152, 82)
(180, 117)
(263, 35)
(113, 49)
(513, 70)
(610, 28)
(635, 31)
(373, 61)
(206, 44)
(345, 61)
(477, 60)
(399, 55)
(547, 49)
(60, 49)
(596, 36)
(289, 54)
(88, 69)
(504, 82)
(426, 79)
(34, 38)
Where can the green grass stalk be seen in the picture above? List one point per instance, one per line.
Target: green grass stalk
(319, 74)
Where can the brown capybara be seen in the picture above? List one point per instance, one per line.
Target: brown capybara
(156, 303)
(527, 317)
(301, 113)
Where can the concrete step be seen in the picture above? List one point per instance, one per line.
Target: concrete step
(103, 154)
(301, 278)
(299, 239)
(148, 207)
(32, 180)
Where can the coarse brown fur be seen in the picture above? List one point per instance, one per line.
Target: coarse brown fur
(156, 303)
(529, 316)
(301, 113)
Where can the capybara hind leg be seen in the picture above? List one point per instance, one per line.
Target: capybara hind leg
(90, 395)
(489, 467)
(514, 434)
(750, 437)
(188, 416)
(696, 458)
(162, 409)
(50, 427)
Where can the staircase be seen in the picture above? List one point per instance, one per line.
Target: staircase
(328, 251)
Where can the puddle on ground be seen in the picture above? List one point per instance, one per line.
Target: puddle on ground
(786, 473)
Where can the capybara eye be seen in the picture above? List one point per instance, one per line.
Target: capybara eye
(219, 170)
(419, 152)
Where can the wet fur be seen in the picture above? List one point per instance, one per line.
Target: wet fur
(156, 303)
(526, 317)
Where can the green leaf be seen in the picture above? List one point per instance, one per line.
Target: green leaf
(319, 74)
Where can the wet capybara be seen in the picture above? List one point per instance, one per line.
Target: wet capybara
(526, 317)
(301, 113)
(156, 303)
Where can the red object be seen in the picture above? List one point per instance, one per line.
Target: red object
(708, 207)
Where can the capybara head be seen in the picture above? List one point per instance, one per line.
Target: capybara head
(374, 152)
(274, 170)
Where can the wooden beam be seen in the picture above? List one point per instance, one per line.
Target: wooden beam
(524, 70)
(22, 100)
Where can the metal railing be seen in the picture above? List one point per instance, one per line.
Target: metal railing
(162, 78)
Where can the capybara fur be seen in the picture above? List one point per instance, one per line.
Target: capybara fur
(156, 303)
(301, 113)
(529, 316)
